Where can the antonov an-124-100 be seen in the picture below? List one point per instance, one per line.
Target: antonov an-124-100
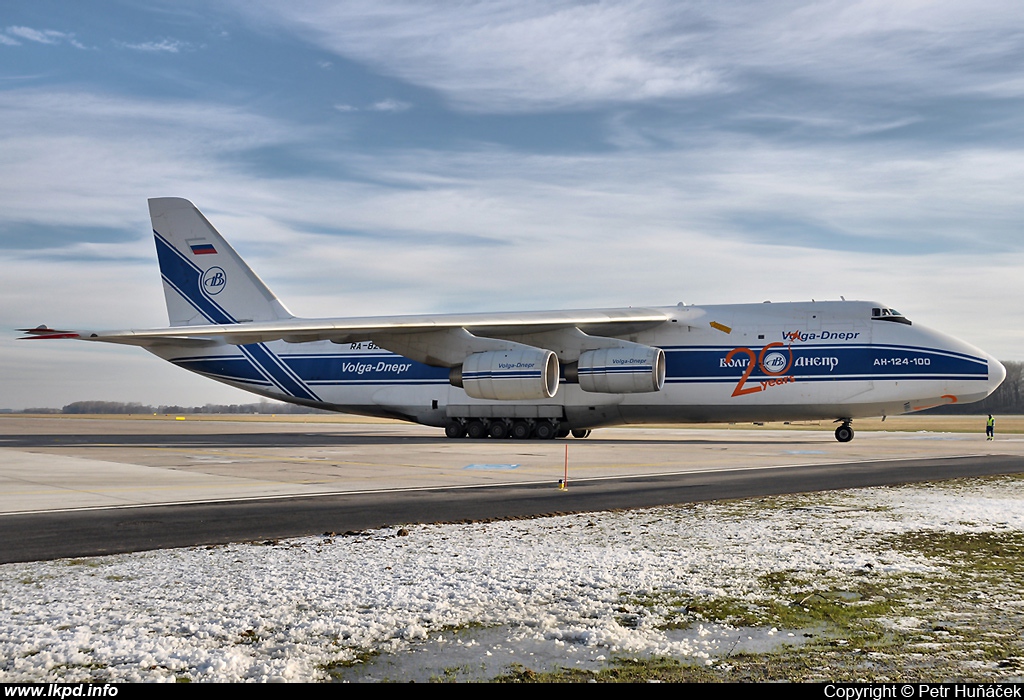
(546, 374)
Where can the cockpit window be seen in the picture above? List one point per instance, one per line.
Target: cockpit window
(880, 314)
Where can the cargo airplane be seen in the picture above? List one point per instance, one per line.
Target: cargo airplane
(546, 374)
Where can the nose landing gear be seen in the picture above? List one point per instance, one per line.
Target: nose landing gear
(844, 433)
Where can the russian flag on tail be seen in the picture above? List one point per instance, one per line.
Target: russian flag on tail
(202, 249)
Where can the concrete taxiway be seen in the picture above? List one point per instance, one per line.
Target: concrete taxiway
(78, 486)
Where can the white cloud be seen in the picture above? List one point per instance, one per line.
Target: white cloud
(82, 159)
(390, 105)
(41, 36)
(523, 55)
(163, 46)
(511, 55)
(8, 41)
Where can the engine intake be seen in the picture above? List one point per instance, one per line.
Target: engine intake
(508, 375)
(630, 370)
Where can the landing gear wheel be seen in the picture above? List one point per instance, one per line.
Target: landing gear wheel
(521, 430)
(498, 430)
(476, 429)
(561, 433)
(580, 434)
(844, 433)
(454, 429)
(545, 430)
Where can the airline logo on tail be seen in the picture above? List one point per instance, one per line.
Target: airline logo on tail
(214, 280)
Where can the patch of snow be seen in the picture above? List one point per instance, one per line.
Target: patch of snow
(288, 611)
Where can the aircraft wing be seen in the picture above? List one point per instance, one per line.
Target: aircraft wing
(439, 339)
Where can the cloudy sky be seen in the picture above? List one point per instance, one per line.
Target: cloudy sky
(394, 157)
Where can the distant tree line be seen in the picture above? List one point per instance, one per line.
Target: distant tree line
(118, 407)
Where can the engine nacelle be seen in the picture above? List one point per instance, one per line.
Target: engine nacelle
(508, 375)
(630, 370)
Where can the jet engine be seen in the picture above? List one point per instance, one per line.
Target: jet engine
(508, 375)
(627, 370)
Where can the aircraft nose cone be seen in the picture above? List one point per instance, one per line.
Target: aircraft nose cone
(976, 390)
(996, 373)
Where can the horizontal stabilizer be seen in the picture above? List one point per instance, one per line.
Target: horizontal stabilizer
(46, 333)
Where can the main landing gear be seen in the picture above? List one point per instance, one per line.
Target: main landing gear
(844, 433)
(501, 428)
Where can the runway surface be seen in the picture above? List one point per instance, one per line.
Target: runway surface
(81, 487)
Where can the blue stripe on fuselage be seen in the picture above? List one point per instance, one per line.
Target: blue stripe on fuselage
(820, 363)
(702, 364)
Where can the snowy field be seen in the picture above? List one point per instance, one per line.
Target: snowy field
(574, 590)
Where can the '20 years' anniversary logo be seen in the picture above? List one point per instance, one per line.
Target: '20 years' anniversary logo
(773, 363)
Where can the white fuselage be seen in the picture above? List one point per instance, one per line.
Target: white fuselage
(749, 362)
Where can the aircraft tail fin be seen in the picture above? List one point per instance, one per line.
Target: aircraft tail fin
(205, 280)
